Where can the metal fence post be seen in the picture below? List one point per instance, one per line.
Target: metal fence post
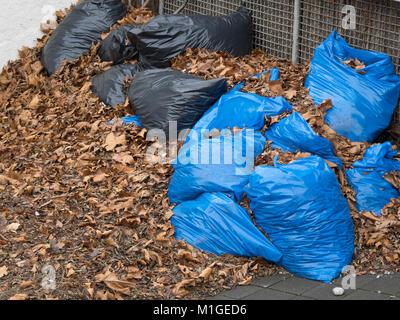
(296, 32)
(161, 8)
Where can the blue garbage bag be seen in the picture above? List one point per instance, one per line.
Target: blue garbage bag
(367, 178)
(222, 164)
(294, 134)
(239, 109)
(301, 208)
(379, 156)
(363, 104)
(215, 223)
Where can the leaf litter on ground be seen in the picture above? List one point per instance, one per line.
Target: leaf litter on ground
(77, 193)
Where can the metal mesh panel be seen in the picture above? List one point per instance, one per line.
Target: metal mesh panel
(378, 23)
(377, 29)
(273, 20)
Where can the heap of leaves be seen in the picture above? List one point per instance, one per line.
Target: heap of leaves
(78, 195)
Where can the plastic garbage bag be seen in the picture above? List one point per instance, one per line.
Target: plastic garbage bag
(109, 85)
(294, 134)
(161, 96)
(363, 100)
(116, 47)
(222, 164)
(83, 25)
(301, 208)
(167, 36)
(215, 223)
(367, 178)
(241, 110)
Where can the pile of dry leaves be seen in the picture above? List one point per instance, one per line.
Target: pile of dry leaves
(356, 65)
(76, 194)
(78, 197)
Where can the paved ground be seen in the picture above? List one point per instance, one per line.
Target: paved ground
(287, 287)
(20, 23)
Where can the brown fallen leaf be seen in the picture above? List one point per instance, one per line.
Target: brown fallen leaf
(123, 158)
(3, 271)
(34, 102)
(19, 296)
(113, 140)
(179, 290)
(123, 287)
(26, 284)
(90, 288)
(206, 273)
(290, 94)
(4, 180)
(13, 227)
(276, 87)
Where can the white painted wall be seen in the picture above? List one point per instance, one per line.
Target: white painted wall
(20, 23)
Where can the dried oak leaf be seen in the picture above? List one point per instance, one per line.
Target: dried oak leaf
(113, 140)
(112, 281)
(3, 271)
(124, 158)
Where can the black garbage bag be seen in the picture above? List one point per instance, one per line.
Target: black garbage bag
(109, 85)
(116, 47)
(158, 96)
(168, 36)
(83, 25)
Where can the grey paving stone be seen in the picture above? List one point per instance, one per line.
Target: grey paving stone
(271, 280)
(241, 292)
(269, 294)
(324, 292)
(360, 280)
(286, 286)
(389, 284)
(366, 295)
(295, 285)
(302, 298)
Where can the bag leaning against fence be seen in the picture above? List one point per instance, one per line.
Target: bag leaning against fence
(167, 36)
(363, 100)
(116, 47)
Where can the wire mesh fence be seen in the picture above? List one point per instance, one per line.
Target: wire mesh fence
(272, 20)
(377, 23)
(377, 26)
